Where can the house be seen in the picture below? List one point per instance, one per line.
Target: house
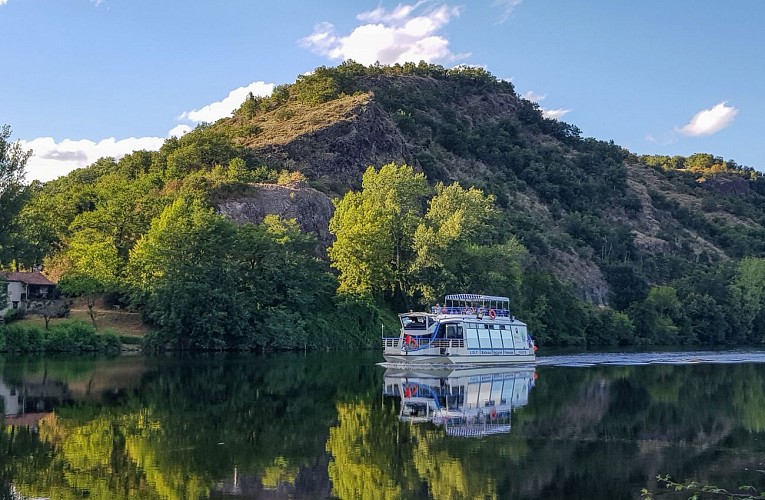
(23, 288)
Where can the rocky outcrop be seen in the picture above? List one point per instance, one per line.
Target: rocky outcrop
(342, 151)
(727, 184)
(310, 208)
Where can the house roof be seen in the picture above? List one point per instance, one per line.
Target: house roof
(30, 278)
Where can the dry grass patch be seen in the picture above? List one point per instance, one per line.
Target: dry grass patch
(285, 124)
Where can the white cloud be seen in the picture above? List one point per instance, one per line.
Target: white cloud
(52, 159)
(710, 121)
(408, 33)
(665, 140)
(507, 7)
(179, 130)
(555, 114)
(221, 109)
(3, 2)
(533, 96)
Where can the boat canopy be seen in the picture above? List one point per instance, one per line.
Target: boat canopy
(472, 297)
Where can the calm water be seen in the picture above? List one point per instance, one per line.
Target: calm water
(327, 425)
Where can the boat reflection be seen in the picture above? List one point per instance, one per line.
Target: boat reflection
(467, 402)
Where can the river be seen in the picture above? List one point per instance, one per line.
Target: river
(327, 425)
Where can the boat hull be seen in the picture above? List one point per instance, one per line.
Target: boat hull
(459, 359)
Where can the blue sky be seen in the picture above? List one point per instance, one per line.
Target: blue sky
(86, 78)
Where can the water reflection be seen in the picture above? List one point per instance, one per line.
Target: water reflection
(32, 389)
(467, 402)
(316, 426)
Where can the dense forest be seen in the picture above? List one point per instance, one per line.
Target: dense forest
(442, 180)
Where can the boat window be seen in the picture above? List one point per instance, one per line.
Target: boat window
(454, 331)
(496, 339)
(472, 338)
(440, 333)
(414, 322)
(483, 338)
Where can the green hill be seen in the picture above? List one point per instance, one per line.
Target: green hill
(594, 244)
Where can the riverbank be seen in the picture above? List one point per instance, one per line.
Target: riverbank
(123, 325)
(121, 322)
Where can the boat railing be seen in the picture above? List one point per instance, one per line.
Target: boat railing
(391, 342)
(468, 310)
(452, 343)
(423, 343)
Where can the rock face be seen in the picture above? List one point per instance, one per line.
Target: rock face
(342, 152)
(728, 184)
(310, 208)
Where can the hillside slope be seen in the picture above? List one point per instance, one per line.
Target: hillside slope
(673, 246)
(585, 208)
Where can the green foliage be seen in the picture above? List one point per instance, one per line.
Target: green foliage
(700, 490)
(701, 165)
(658, 316)
(513, 192)
(206, 283)
(13, 193)
(20, 338)
(12, 315)
(747, 292)
(374, 231)
(316, 87)
(69, 336)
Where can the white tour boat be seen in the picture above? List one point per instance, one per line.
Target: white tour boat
(467, 329)
(467, 402)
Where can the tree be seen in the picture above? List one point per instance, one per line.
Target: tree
(94, 267)
(447, 242)
(13, 193)
(747, 293)
(659, 317)
(374, 231)
(183, 277)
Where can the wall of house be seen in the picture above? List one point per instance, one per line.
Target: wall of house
(15, 289)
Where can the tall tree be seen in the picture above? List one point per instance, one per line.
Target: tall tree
(13, 160)
(448, 243)
(374, 230)
(185, 279)
(748, 300)
(94, 267)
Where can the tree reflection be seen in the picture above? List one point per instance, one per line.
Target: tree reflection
(317, 426)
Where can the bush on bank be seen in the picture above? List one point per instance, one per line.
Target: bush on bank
(73, 336)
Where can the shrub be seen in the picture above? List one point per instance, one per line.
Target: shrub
(14, 315)
(74, 336)
(156, 342)
(24, 339)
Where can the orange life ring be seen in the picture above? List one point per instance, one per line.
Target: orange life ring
(492, 314)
